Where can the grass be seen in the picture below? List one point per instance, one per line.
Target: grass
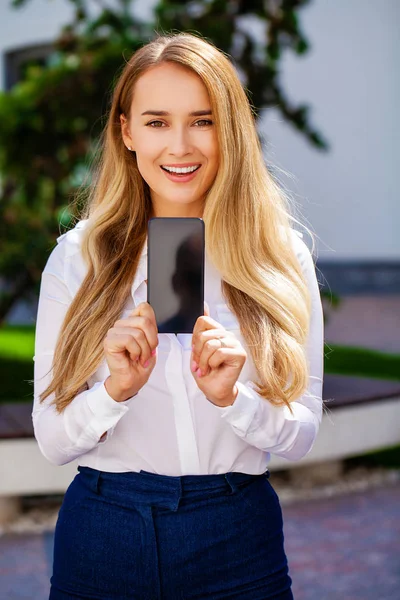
(17, 346)
(388, 458)
(362, 362)
(17, 342)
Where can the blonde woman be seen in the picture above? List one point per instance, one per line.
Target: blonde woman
(173, 434)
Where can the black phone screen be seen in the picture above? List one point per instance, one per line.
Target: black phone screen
(175, 272)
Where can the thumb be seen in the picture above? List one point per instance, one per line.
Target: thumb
(206, 309)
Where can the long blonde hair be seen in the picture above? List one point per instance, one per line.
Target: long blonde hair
(247, 221)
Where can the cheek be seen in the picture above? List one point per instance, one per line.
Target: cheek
(146, 170)
(146, 150)
(212, 152)
(146, 155)
(211, 145)
(213, 160)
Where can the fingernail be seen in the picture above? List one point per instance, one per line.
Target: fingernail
(198, 373)
(193, 366)
(154, 352)
(146, 364)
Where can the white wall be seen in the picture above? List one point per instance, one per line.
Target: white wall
(348, 195)
(351, 77)
(38, 22)
(41, 20)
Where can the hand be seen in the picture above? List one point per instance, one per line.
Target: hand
(130, 352)
(216, 367)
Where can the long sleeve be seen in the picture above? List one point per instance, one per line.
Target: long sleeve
(78, 429)
(274, 429)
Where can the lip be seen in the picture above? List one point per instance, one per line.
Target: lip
(181, 178)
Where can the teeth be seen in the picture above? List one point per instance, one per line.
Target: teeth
(181, 169)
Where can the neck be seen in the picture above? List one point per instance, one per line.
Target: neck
(194, 209)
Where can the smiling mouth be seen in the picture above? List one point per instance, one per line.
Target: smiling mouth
(184, 171)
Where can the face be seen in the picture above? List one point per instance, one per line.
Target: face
(170, 128)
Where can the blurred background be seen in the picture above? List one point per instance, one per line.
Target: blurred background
(324, 79)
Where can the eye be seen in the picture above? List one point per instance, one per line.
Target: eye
(204, 122)
(153, 124)
(160, 124)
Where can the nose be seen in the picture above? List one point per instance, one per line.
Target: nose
(180, 143)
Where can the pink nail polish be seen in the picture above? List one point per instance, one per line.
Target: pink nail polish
(154, 352)
(193, 366)
(146, 364)
(198, 373)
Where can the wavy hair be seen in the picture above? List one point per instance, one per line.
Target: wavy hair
(246, 211)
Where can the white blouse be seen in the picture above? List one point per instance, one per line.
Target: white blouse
(169, 427)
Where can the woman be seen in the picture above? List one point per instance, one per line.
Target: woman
(173, 434)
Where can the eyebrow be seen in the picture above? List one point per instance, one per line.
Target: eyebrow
(164, 113)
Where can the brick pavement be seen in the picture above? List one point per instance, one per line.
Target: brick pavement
(366, 321)
(340, 548)
(347, 547)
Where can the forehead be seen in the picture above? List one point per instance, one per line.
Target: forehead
(170, 87)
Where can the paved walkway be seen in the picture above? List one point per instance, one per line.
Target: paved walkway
(366, 321)
(347, 547)
(342, 548)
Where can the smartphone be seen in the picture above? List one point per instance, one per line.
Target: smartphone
(175, 272)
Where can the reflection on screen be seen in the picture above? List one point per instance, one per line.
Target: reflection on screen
(176, 271)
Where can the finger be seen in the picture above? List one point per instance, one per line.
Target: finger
(210, 347)
(144, 309)
(136, 343)
(234, 357)
(117, 343)
(145, 324)
(199, 340)
(204, 323)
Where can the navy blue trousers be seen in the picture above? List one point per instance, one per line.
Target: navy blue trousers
(143, 536)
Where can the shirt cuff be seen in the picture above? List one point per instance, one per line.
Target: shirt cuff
(241, 413)
(106, 411)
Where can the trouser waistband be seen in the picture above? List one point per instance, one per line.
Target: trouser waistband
(145, 487)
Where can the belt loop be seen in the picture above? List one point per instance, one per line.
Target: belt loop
(92, 476)
(181, 492)
(96, 481)
(229, 480)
